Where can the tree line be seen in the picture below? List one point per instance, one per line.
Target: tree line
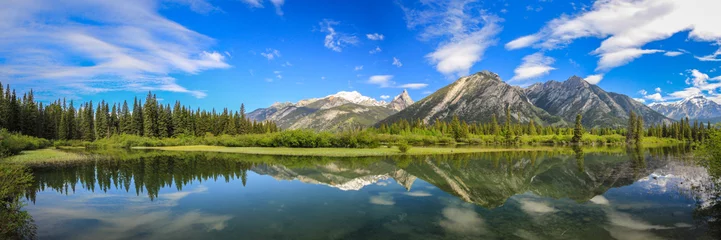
(682, 130)
(61, 120)
(508, 128)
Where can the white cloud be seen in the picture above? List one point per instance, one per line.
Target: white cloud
(641, 100)
(418, 194)
(384, 81)
(385, 200)
(413, 85)
(627, 25)
(385, 97)
(642, 92)
(533, 66)
(522, 42)
(254, 3)
(594, 79)
(199, 6)
(375, 50)
(469, 33)
(335, 40)
(397, 62)
(621, 57)
(463, 220)
(375, 36)
(122, 48)
(710, 58)
(658, 89)
(534, 207)
(381, 80)
(278, 4)
(699, 83)
(656, 97)
(688, 92)
(699, 78)
(286, 64)
(358, 68)
(672, 53)
(270, 54)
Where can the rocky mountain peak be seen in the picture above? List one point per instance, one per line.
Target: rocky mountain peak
(576, 81)
(401, 101)
(694, 107)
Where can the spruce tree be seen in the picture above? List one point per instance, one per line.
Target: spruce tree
(639, 130)
(101, 120)
(577, 131)
(631, 130)
(137, 118)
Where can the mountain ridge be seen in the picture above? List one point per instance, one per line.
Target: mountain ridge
(694, 107)
(339, 111)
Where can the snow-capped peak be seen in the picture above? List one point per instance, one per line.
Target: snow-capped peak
(357, 98)
(694, 107)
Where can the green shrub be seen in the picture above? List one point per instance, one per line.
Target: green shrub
(14, 143)
(404, 147)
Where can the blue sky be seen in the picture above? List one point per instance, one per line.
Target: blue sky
(219, 53)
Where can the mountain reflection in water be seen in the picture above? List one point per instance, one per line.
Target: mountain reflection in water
(615, 193)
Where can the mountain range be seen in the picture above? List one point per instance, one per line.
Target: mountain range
(473, 98)
(694, 107)
(343, 110)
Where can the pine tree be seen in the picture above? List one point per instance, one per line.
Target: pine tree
(150, 116)
(639, 130)
(126, 120)
(508, 120)
(577, 131)
(137, 116)
(101, 120)
(631, 130)
(456, 127)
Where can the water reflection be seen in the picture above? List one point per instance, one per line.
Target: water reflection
(600, 194)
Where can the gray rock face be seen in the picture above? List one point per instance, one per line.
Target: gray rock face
(344, 110)
(598, 107)
(401, 101)
(696, 107)
(476, 98)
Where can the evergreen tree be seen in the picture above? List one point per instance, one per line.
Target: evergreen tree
(631, 130)
(101, 128)
(577, 131)
(639, 130)
(126, 120)
(150, 116)
(137, 116)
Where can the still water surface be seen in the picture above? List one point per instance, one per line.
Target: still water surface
(654, 194)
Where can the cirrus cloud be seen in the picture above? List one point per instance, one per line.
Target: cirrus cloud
(469, 33)
(627, 25)
(88, 47)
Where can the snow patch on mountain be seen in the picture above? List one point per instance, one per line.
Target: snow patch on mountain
(695, 107)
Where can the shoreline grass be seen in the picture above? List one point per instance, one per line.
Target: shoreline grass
(342, 152)
(45, 156)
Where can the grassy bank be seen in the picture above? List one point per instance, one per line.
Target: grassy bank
(14, 143)
(361, 139)
(45, 156)
(342, 152)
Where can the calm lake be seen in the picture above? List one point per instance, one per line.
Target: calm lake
(614, 194)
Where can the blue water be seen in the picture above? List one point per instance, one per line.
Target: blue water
(496, 196)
